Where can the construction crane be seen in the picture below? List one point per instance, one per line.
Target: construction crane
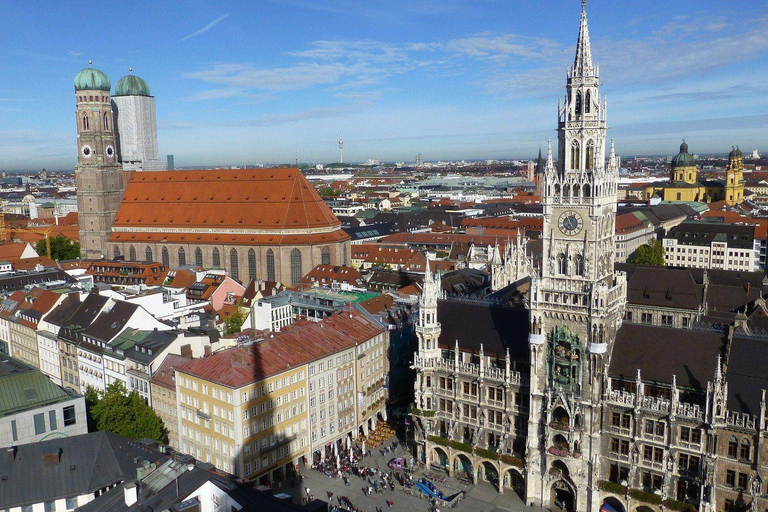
(42, 231)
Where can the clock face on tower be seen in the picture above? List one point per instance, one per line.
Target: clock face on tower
(87, 151)
(110, 151)
(570, 223)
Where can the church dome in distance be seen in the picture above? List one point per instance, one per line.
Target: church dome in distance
(131, 85)
(683, 159)
(90, 79)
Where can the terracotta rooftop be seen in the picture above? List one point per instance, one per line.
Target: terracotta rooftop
(270, 206)
(164, 376)
(301, 343)
(326, 275)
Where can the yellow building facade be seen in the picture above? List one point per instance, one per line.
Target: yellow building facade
(250, 430)
(684, 184)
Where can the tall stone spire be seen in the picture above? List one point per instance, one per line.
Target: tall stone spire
(582, 65)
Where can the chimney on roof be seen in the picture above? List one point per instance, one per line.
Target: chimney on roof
(186, 351)
(207, 350)
(239, 359)
(131, 494)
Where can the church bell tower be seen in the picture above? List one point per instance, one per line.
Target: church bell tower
(98, 175)
(577, 300)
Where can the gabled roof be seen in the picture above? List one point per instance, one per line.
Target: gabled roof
(110, 323)
(298, 344)
(69, 466)
(268, 202)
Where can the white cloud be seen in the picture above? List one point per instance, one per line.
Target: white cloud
(207, 27)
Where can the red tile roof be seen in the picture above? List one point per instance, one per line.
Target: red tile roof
(326, 275)
(266, 202)
(164, 376)
(299, 344)
(627, 223)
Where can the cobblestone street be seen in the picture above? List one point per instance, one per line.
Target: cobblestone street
(481, 498)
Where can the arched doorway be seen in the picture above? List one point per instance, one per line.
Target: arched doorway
(490, 474)
(563, 496)
(611, 504)
(513, 479)
(462, 466)
(439, 457)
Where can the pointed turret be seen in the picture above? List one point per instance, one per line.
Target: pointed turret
(582, 65)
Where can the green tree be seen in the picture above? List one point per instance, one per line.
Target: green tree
(651, 253)
(126, 414)
(62, 248)
(234, 322)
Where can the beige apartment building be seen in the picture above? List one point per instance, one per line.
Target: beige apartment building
(247, 409)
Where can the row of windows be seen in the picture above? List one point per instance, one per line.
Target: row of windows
(296, 267)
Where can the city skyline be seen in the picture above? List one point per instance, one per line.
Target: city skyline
(243, 84)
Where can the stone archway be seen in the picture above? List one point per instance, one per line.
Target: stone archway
(462, 465)
(563, 496)
(489, 473)
(611, 504)
(514, 479)
(440, 457)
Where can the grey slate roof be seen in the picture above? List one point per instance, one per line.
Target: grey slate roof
(67, 467)
(661, 352)
(496, 327)
(747, 374)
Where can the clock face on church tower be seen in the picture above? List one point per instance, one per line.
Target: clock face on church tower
(570, 223)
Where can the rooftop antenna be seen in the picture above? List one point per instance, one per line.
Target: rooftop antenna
(341, 149)
(297, 158)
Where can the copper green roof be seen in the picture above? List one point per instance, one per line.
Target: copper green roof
(26, 388)
(90, 79)
(131, 85)
(683, 159)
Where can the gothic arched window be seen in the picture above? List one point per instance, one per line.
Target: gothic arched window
(198, 257)
(325, 256)
(166, 259)
(234, 268)
(271, 265)
(562, 264)
(251, 264)
(116, 252)
(578, 265)
(578, 103)
(132, 254)
(148, 254)
(575, 156)
(85, 122)
(182, 257)
(106, 122)
(587, 190)
(216, 258)
(590, 155)
(295, 267)
(587, 102)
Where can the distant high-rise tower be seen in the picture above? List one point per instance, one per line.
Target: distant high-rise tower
(98, 176)
(136, 125)
(341, 149)
(169, 165)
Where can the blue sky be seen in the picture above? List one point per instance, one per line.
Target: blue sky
(254, 81)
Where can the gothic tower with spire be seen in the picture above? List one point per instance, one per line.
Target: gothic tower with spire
(576, 300)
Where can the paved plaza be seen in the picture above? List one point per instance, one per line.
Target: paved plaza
(482, 497)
